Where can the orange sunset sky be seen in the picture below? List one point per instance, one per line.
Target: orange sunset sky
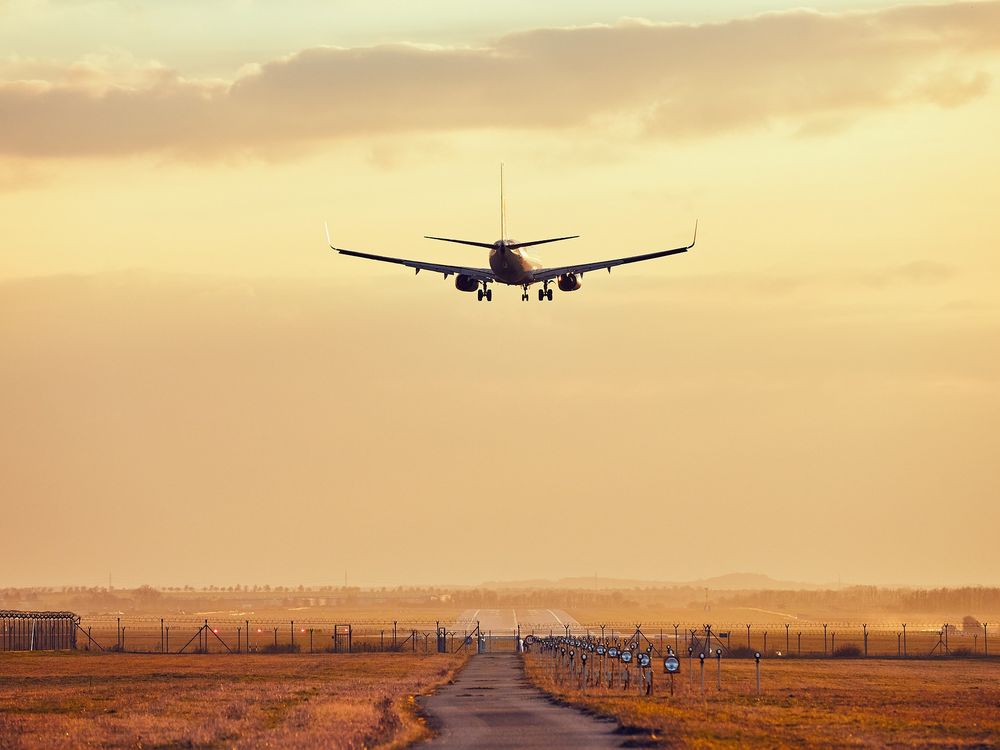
(194, 389)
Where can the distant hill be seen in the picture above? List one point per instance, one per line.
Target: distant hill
(727, 582)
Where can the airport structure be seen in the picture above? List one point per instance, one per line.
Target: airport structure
(37, 631)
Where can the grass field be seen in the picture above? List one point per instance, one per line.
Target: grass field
(209, 701)
(826, 703)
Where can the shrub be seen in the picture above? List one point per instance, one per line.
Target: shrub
(281, 648)
(847, 651)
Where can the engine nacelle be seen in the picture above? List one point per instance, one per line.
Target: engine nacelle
(569, 282)
(465, 283)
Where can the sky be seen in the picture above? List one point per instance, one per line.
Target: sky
(195, 390)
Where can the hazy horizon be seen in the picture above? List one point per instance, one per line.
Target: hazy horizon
(194, 388)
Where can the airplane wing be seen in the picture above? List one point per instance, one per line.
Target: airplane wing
(480, 274)
(545, 274)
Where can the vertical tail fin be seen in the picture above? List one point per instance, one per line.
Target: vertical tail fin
(503, 208)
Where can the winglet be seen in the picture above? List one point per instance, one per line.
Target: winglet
(326, 228)
(695, 238)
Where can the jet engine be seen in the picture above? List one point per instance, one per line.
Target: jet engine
(569, 282)
(465, 283)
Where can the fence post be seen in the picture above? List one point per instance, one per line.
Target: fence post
(986, 645)
(865, 627)
(788, 648)
(824, 640)
(904, 639)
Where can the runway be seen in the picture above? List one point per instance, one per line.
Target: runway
(507, 621)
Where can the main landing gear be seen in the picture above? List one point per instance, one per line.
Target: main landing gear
(544, 293)
(485, 293)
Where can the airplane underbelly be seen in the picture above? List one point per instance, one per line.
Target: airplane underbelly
(510, 268)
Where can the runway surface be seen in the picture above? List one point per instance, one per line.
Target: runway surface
(491, 705)
(506, 621)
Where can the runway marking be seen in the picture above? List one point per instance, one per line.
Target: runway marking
(554, 615)
(474, 615)
(514, 611)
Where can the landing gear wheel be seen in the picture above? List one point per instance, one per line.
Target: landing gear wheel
(479, 295)
(489, 295)
(541, 295)
(548, 294)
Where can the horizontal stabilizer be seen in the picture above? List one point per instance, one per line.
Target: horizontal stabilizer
(516, 245)
(487, 245)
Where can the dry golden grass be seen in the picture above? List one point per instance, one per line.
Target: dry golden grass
(818, 703)
(210, 701)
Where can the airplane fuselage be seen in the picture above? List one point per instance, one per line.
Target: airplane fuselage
(512, 266)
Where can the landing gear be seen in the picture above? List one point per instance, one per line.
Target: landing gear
(545, 293)
(524, 294)
(485, 293)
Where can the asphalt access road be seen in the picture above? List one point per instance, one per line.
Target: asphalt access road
(491, 704)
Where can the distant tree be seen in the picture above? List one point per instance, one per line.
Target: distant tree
(146, 595)
(971, 623)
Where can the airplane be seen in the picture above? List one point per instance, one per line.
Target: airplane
(509, 265)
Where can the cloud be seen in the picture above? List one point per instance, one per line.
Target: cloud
(812, 71)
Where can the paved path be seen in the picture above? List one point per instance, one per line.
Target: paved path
(492, 705)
